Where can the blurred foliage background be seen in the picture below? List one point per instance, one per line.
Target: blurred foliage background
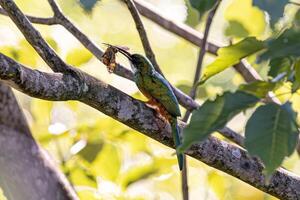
(104, 159)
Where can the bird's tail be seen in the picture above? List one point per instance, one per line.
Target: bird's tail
(177, 141)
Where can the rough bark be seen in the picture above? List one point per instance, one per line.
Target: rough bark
(26, 171)
(74, 84)
(135, 114)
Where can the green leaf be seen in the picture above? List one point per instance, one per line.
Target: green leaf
(258, 88)
(108, 162)
(236, 29)
(231, 55)
(271, 134)
(137, 173)
(90, 151)
(192, 18)
(202, 6)
(88, 5)
(240, 12)
(213, 115)
(274, 8)
(296, 83)
(280, 65)
(286, 45)
(78, 57)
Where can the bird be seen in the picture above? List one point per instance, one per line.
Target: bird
(159, 92)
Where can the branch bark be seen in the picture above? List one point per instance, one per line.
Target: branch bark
(26, 173)
(135, 114)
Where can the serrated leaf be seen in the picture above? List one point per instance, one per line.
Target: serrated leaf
(213, 115)
(271, 134)
(258, 88)
(231, 55)
(88, 5)
(286, 45)
(279, 65)
(79, 56)
(202, 6)
(274, 8)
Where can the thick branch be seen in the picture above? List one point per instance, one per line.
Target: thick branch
(137, 115)
(54, 87)
(25, 172)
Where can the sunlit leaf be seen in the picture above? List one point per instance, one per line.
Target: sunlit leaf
(80, 176)
(258, 88)
(274, 8)
(271, 133)
(40, 110)
(137, 173)
(22, 52)
(230, 55)
(52, 43)
(243, 14)
(27, 54)
(2, 197)
(286, 45)
(108, 162)
(218, 183)
(213, 115)
(236, 29)
(77, 57)
(192, 18)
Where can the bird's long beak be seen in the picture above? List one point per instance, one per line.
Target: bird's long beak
(122, 51)
(125, 53)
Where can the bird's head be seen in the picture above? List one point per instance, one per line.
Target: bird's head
(138, 61)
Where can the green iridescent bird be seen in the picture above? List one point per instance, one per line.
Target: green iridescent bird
(158, 90)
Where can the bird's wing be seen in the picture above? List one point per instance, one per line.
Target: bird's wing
(159, 88)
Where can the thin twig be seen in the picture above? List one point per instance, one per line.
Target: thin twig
(143, 35)
(193, 91)
(233, 136)
(36, 20)
(150, 54)
(203, 49)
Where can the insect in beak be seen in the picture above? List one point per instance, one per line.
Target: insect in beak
(122, 50)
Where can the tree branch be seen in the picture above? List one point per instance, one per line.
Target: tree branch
(26, 173)
(53, 87)
(143, 35)
(191, 35)
(137, 115)
(36, 20)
